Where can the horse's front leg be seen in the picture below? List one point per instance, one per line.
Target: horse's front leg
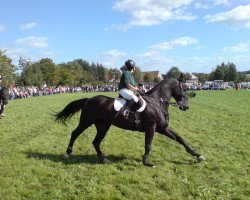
(174, 136)
(149, 135)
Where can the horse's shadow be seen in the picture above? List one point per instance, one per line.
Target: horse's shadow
(74, 159)
(89, 159)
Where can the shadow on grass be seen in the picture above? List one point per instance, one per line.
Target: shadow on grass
(74, 159)
(185, 162)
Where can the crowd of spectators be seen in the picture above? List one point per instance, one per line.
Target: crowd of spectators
(19, 92)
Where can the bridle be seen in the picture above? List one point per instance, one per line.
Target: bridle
(167, 102)
(177, 103)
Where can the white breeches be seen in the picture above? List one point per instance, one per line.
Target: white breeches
(128, 94)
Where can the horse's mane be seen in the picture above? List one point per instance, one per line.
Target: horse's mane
(159, 85)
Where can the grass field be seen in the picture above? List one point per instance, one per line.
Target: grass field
(217, 125)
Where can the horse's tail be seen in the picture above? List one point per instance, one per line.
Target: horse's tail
(70, 110)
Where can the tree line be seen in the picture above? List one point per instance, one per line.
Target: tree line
(80, 72)
(226, 72)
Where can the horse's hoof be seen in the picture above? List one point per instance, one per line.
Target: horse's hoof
(104, 160)
(148, 164)
(201, 158)
(67, 156)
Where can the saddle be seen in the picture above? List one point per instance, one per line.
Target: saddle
(120, 102)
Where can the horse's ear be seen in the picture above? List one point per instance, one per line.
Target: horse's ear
(181, 78)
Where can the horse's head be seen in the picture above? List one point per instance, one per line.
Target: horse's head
(179, 94)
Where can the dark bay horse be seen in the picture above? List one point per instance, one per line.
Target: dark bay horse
(99, 110)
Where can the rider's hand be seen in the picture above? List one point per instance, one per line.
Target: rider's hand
(141, 92)
(136, 89)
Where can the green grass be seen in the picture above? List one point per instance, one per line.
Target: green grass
(217, 126)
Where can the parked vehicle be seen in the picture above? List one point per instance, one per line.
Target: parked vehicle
(205, 86)
(218, 82)
(245, 85)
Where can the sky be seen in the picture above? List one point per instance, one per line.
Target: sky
(193, 35)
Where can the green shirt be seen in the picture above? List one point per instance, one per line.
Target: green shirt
(126, 78)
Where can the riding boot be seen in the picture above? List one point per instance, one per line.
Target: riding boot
(126, 108)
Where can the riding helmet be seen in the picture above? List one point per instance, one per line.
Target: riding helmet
(130, 64)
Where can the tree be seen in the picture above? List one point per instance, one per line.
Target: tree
(62, 76)
(241, 77)
(48, 67)
(114, 75)
(148, 77)
(24, 65)
(187, 76)
(84, 64)
(7, 69)
(101, 73)
(157, 79)
(37, 73)
(226, 72)
(80, 76)
(231, 74)
(174, 72)
(218, 73)
(138, 75)
(32, 75)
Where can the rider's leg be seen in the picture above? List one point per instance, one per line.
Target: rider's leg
(129, 95)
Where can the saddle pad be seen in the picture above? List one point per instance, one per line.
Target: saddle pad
(119, 102)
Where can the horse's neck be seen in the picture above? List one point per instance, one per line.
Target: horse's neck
(162, 90)
(166, 95)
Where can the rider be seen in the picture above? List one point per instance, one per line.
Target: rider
(127, 87)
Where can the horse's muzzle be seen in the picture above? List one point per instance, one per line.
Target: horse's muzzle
(182, 106)
(185, 108)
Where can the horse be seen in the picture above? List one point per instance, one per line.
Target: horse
(4, 94)
(99, 110)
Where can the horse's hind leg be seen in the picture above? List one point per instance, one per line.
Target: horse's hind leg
(102, 129)
(79, 129)
(174, 136)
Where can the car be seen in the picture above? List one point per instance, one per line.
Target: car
(245, 85)
(205, 86)
(193, 87)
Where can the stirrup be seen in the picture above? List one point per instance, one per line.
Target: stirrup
(126, 114)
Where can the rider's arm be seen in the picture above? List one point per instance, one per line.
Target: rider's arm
(131, 87)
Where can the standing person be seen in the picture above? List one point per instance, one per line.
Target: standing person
(127, 87)
(237, 86)
(4, 95)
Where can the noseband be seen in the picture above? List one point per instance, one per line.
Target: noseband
(176, 104)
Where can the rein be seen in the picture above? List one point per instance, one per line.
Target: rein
(176, 104)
